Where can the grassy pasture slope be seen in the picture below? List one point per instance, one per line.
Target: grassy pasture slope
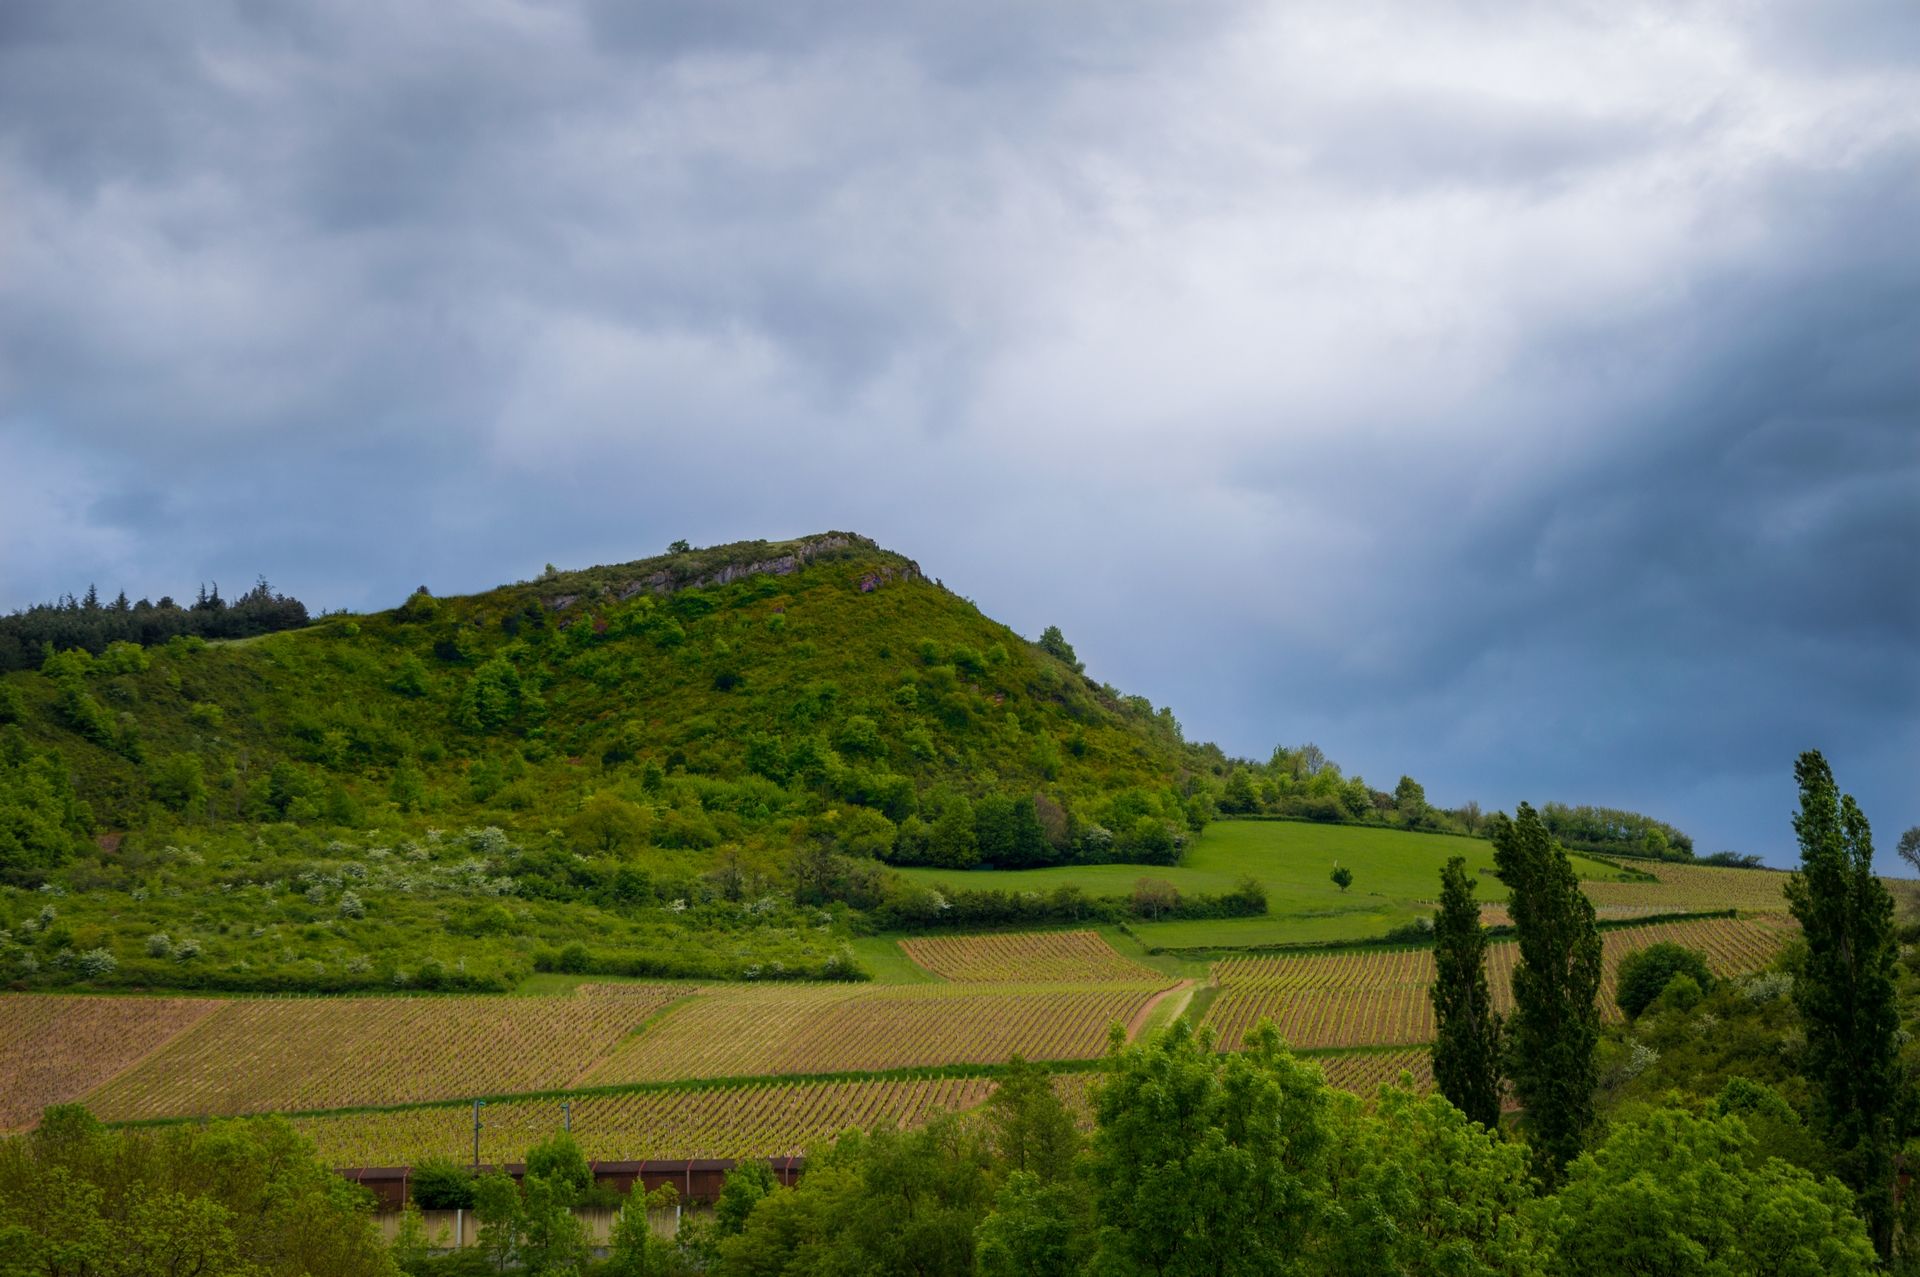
(1395, 874)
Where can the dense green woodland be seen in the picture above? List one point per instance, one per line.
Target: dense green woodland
(29, 636)
(699, 764)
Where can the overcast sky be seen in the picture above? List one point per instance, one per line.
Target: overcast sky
(1523, 397)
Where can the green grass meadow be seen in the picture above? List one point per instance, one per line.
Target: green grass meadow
(1396, 877)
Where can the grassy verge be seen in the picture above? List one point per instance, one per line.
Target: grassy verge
(1195, 1012)
(888, 963)
(1396, 877)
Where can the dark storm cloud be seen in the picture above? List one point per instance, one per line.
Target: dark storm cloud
(1529, 401)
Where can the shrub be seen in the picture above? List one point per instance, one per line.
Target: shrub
(860, 737)
(1153, 897)
(159, 946)
(1646, 973)
(1151, 840)
(1683, 993)
(123, 657)
(441, 1184)
(607, 823)
(420, 606)
(96, 964)
(411, 678)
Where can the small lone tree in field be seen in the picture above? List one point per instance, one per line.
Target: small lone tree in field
(1342, 877)
(1154, 896)
(1466, 1047)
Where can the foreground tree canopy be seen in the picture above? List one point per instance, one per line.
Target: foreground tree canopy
(233, 1198)
(1250, 1164)
(1198, 1163)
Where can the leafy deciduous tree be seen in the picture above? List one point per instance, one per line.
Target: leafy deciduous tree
(1032, 1130)
(1673, 1193)
(1645, 973)
(1207, 1164)
(1908, 847)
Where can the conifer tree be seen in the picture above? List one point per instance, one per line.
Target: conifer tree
(1555, 1025)
(1466, 1048)
(1846, 994)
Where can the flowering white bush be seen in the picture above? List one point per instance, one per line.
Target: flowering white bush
(1766, 987)
(95, 963)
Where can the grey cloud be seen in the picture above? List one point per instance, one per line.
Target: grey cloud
(1541, 436)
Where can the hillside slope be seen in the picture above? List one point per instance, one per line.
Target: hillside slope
(702, 730)
(826, 661)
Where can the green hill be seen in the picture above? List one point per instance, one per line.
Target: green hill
(821, 666)
(723, 762)
(636, 756)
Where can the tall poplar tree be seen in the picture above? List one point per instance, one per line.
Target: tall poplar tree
(1846, 995)
(1466, 1047)
(1555, 1025)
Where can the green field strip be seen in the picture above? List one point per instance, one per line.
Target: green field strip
(1371, 1048)
(1497, 935)
(883, 959)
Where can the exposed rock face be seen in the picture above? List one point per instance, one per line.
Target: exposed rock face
(669, 580)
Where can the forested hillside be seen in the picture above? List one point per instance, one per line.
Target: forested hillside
(770, 678)
(753, 726)
(737, 738)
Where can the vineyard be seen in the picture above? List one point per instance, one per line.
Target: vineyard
(767, 1120)
(1033, 957)
(1380, 998)
(1695, 887)
(749, 1030)
(1365, 1072)
(55, 1049)
(266, 1054)
(1496, 915)
(773, 1119)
